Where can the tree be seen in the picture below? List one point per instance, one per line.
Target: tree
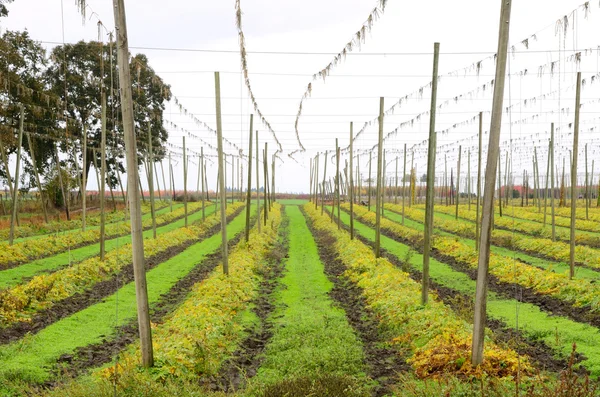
(82, 92)
(22, 62)
(3, 9)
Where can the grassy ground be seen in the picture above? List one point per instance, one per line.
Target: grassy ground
(558, 333)
(29, 359)
(16, 275)
(312, 337)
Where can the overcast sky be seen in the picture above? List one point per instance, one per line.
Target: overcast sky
(467, 30)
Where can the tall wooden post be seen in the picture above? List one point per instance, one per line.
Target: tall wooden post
(185, 173)
(429, 193)
(132, 181)
(351, 181)
(162, 170)
(499, 186)
(15, 196)
(273, 180)
(546, 188)
(396, 187)
(171, 182)
(202, 170)
(378, 200)
(469, 178)
(587, 190)
(323, 189)
(337, 178)
(537, 172)
(458, 180)
(488, 198)
(249, 192)
(574, 176)
(37, 175)
(359, 179)
(222, 171)
(257, 184)
(266, 179)
(102, 186)
(404, 184)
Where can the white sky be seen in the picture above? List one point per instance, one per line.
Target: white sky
(467, 31)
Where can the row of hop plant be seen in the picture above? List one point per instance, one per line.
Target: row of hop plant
(540, 244)
(593, 212)
(436, 340)
(35, 229)
(563, 221)
(22, 302)
(197, 338)
(583, 293)
(49, 245)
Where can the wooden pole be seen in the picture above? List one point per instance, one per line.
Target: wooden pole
(102, 185)
(266, 179)
(574, 176)
(132, 180)
(185, 169)
(429, 193)
(499, 185)
(537, 172)
(546, 188)
(15, 197)
(221, 175)
(404, 184)
(323, 189)
(378, 200)
(396, 187)
(488, 198)
(37, 176)
(171, 187)
(273, 179)
(202, 171)
(316, 182)
(337, 178)
(249, 192)
(458, 180)
(162, 170)
(587, 190)
(257, 184)
(351, 182)
(469, 178)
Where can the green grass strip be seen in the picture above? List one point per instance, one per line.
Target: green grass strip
(12, 277)
(311, 336)
(28, 360)
(559, 333)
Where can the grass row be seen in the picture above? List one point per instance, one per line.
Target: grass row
(557, 332)
(539, 244)
(311, 338)
(30, 360)
(582, 293)
(194, 341)
(51, 244)
(22, 302)
(16, 275)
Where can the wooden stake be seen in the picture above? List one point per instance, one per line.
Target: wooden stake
(221, 175)
(102, 185)
(574, 177)
(458, 180)
(337, 184)
(323, 188)
(132, 181)
(266, 179)
(378, 200)
(546, 189)
(185, 173)
(429, 193)
(202, 170)
(488, 195)
(369, 188)
(249, 192)
(469, 178)
(257, 184)
(351, 182)
(587, 192)
(404, 185)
